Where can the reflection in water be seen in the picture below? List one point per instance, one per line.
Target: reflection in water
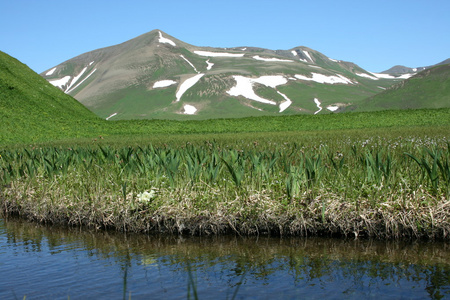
(54, 262)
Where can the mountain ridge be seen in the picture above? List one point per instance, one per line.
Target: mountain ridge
(429, 88)
(399, 69)
(156, 75)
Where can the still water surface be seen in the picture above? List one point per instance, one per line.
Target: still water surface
(42, 262)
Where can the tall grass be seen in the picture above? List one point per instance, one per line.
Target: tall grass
(382, 187)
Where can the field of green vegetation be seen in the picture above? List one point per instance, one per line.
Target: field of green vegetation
(38, 129)
(383, 183)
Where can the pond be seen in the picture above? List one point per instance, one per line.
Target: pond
(51, 262)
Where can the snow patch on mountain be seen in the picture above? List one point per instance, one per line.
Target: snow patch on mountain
(366, 76)
(257, 57)
(218, 54)
(164, 40)
(210, 65)
(195, 69)
(294, 52)
(286, 103)
(387, 76)
(332, 107)
(75, 79)
(187, 84)
(406, 76)
(244, 87)
(69, 90)
(60, 82)
(49, 73)
(384, 76)
(271, 80)
(318, 105)
(377, 76)
(163, 83)
(114, 114)
(189, 109)
(307, 54)
(335, 60)
(321, 78)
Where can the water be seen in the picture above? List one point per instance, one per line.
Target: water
(42, 262)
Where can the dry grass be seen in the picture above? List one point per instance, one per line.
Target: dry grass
(179, 211)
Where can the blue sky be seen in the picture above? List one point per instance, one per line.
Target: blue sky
(376, 35)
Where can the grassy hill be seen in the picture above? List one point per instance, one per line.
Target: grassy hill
(427, 89)
(31, 108)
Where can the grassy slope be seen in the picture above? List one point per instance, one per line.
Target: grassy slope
(32, 109)
(428, 89)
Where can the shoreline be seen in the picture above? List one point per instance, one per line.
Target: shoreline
(324, 216)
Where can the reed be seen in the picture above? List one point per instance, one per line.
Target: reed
(385, 187)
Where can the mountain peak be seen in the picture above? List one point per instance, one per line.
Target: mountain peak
(399, 70)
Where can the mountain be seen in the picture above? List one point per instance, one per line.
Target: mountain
(403, 70)
(158, 76)
(30, 105)
(427, 89)
(445, 62)
(400, 70)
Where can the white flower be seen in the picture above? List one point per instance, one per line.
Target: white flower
(146, 196)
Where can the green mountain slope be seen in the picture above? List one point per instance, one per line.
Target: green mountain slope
(158, 76)
(427, 89)
(30, 107)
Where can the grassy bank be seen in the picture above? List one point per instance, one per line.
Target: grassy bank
(346, 183)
